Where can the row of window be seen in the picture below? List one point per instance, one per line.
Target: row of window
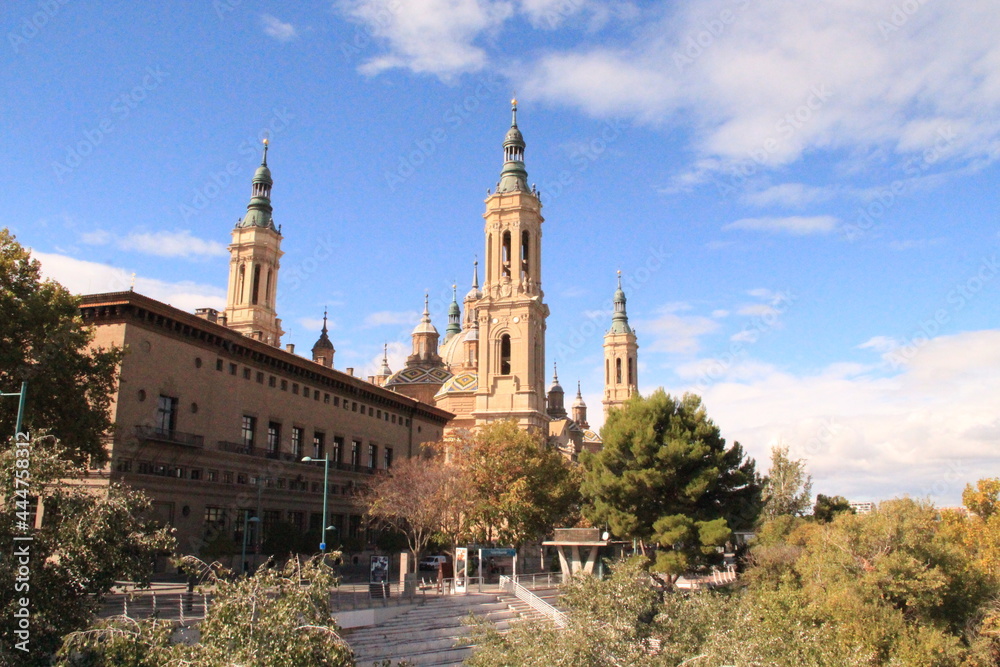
(221, 518)
(314, 394)
(248, 438)
(229, 477)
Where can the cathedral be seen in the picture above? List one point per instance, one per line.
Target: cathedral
(490, 363)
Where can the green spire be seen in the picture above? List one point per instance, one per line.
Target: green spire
(259, 208)
(619, 321)
(454, 315)
(514, 177)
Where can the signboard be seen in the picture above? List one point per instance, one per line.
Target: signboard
(379, 573)
(498, 553)
(461, 569)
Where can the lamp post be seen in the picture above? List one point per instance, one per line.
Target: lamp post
(20, 405)
(326, 479)
(247, 519)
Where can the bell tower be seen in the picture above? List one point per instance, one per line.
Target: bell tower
(254, 257)
(621, 377)
(511, 312)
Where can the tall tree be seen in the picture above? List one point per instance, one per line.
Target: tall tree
(519, 488)
(44, 341)
(665, 476)
(787, 487)
(827, 508)
(86, 543)
(412, 499)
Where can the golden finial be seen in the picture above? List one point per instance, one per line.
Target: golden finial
(132, 286)
(265, 141)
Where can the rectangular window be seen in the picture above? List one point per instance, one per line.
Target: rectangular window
(213, 475)
(281, 482)
(354, 530)
(284, 385)
(195, 473)
(227, 477)
(372, 456)
(388, 457)
(166, 414)
(297, 442)
(354, 406)
(338, 449)
(248, 430)
(246, 373)
(241, 478)
(272, 381)
(297, 519)
(260, 377)
(394, 419)
(271, 519)
(316, 395)
(295, 387)
(125, 465)
(273, 437)
(232, 369)
(371, 411)
(218, 364)
(215, 517)
(378, 414)
(318, 445)
(336, 401)
(326, 398)
(355, 453)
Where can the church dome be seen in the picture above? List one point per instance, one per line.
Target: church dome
(465, 382)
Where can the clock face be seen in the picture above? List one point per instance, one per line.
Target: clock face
(496, 321)
(516, 320)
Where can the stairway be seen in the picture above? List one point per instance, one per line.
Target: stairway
(430, 634)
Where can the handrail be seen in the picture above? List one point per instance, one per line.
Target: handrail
(535, 602)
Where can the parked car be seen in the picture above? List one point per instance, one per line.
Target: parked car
(432, 562)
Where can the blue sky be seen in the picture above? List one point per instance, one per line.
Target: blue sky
(801, 197)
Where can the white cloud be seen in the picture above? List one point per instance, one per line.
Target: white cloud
(795, 225)
(83, 277)
(428, 36)
(926, 431)
(172, 244)
(915, 244)
(769, 80)
(391, 317)
(315, 324)
(273, 27)
(96, 237)
(674, 333)
(792, 195)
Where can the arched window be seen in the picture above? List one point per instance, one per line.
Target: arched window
(256, 285)
(618, 371)
(267, 288)
(505, 255)
(525, 247)
(607, 371)
(631, 371)
(505, 354)
(241, 284)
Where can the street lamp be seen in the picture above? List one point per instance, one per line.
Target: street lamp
(20, 405)
(326, 479)
(247, 519)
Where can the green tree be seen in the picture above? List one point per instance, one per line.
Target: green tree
(518, 487)
(88, 540)
(665, 476)
(787, 487)
(828, 507)
(44, 341)
(275, 618)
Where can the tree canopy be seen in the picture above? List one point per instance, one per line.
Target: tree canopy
(87, 541)
(518, 488)
(787, 487)
(44, 341)
(898, 586)
(665, 476)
